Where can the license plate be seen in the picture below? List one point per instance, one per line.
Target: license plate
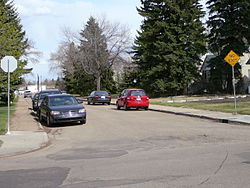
(103, 97)
(138, 99)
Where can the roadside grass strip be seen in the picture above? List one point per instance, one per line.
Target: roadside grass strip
(4, 115)
(242, 107)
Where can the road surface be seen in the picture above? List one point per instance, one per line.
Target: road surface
(118, 148)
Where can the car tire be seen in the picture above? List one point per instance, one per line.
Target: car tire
(146, 108)
(83, 122)
(88, 102)
(48, 121)
(40, 117)
(108, 103)
(126, 107)
(117, 106)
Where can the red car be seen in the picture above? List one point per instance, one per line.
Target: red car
(132, 98)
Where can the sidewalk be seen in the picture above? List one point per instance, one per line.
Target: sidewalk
(26, 135)
(212, 115)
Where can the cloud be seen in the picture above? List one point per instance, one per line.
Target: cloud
(43, 20)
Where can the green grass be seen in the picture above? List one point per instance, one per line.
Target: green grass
(4, 115)
(242, 107)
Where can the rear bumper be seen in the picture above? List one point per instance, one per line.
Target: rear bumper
(137, 104)
(102, 100)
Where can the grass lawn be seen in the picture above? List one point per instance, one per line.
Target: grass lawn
(242, 107)
(4, 116)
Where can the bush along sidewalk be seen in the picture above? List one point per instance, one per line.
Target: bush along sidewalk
(4, 115)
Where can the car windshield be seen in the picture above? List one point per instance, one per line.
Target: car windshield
(101, 93)
(42, 95)
(62, 101)
(138, 93)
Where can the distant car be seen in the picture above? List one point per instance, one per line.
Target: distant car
(99, 97)
(27, 93)
(61, 108)
(132, 98)
(38, 98)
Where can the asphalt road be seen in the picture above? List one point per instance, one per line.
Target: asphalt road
(135, 149)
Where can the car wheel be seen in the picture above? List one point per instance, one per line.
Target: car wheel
(108, 103)
(88, 102)
(126, 107)
(117, 106)
(40, 117)
(83, 122)
(48, 121)
(146, 108)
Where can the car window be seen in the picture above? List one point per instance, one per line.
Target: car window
(123, 93)
(45, 101)
(138, 93)
(101, 93)
(62, 101)
(44, 94)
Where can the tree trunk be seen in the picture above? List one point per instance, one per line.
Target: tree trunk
(98, 83)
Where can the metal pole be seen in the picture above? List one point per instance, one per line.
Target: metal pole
(235, 106)
(8, 132)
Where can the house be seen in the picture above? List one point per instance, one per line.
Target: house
(245, 70)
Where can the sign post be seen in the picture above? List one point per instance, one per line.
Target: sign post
(232, 58)
(8, 64)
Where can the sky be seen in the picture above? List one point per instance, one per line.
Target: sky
(43, 21)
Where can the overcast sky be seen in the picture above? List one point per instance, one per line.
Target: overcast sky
(43, 21)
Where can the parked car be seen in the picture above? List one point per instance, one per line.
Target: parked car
(132, 98)
(27, 93)
(99, 97)
(61, 108)
(38, 98)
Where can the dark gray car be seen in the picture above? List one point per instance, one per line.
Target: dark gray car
(38, 98)
(61, 108)
(99, 97)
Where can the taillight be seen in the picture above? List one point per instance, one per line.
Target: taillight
(96, 96)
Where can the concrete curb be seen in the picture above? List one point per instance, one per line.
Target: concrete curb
(221, 120)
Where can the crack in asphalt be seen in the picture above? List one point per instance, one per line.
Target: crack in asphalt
(217, 170)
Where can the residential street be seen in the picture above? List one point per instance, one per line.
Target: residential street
(134, 149)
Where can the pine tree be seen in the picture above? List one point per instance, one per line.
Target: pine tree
(94, 53)
(12, 42)
(229, 24)
(168, 47)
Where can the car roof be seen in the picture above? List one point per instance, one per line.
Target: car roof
(48, 90)
(60, 95)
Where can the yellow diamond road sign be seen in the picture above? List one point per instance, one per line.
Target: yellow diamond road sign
(232, 58)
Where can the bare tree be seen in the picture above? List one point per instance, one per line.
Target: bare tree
(31, 54)
(98, 47)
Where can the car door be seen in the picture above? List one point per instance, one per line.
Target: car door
(44, 107)
(123, 97)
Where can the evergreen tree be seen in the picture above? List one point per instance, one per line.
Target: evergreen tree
(94, 53)
(12, 42)
(168, 47)
(229, 24)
